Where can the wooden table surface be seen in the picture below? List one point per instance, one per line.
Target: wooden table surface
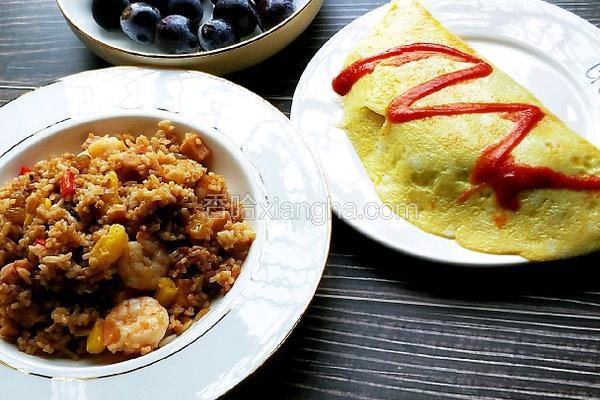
(382, 325)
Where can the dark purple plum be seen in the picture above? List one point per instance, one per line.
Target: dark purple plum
(107, 13)
(138, 21)
(161, 5)
(216, 34)
(174, 35)
(273, 12)
(191, 9)
(241, 14)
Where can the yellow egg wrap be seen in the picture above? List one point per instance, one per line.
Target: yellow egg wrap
(428, 162)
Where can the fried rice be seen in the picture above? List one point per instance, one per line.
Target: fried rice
(117, 249)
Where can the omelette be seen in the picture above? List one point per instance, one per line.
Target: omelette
(437, 126)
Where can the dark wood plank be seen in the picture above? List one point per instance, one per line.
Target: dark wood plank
(382, 326)
(385, 326)
(37, 46)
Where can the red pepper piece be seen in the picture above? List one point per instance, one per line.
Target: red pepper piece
(24, 170)
(67, 184)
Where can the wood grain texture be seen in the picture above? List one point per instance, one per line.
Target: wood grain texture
(382, 325)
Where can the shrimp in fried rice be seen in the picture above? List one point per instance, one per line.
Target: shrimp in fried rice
(143, 263)
(135, 326)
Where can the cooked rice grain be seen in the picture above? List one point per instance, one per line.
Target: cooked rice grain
(163, 195)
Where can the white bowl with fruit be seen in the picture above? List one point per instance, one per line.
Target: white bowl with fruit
(216, 36)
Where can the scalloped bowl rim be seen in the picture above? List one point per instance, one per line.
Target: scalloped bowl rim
(226, 151)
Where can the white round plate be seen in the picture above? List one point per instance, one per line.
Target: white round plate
(278, 278)
(118, 49)
(550, 51)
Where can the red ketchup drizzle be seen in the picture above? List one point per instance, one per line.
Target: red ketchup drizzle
(495, 167)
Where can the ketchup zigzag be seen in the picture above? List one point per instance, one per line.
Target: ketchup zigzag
(495, 166)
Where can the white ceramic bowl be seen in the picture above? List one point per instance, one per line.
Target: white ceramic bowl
(67, 136)
(117, 48)
(251, 321)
